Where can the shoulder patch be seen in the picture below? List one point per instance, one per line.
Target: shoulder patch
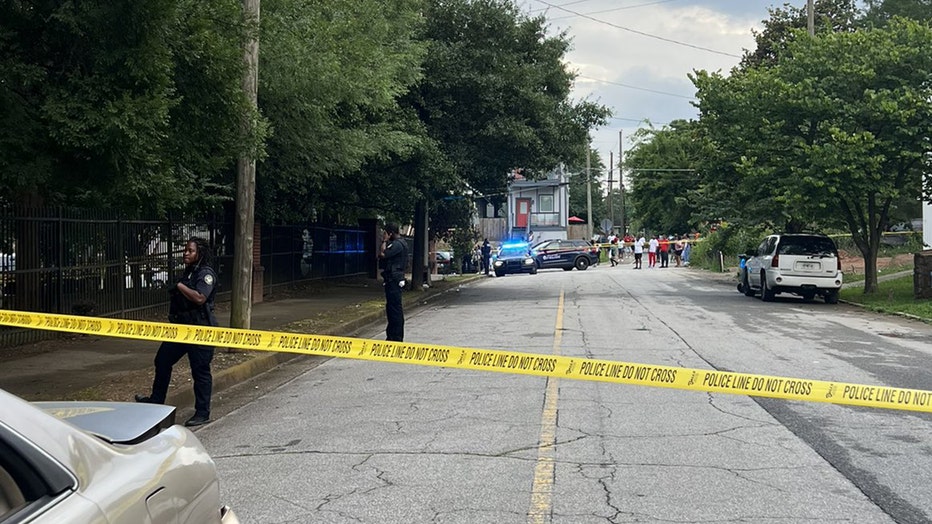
(209, 279)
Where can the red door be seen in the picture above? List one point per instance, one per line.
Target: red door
(522, 211)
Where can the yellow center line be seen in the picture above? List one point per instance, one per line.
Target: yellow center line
(540, 510)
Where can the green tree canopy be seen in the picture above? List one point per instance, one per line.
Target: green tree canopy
(331, 74)
(495, 93)
(835, 133)
(665, 170)
(127, 105)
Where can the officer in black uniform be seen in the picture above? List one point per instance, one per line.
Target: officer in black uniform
(393, 257)
(192, 302)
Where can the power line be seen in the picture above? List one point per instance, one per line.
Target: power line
(563, 5)
(629, 86)
(642, 33)
(614, 9)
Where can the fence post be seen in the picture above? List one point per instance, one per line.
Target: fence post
(61, 263)
(121, 252)
(257, 269)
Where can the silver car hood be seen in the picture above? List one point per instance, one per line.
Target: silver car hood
(114, 422)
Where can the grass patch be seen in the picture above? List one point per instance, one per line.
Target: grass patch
(893, 296)
(859, 277)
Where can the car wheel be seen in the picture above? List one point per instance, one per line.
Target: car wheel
(534, 270)
(582, 264)
(499, 273)
(748, 292)
(766, 294)
(831, 297)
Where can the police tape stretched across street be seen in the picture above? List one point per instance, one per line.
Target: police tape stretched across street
(556, 366)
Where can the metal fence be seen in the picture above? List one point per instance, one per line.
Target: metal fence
(91, 262)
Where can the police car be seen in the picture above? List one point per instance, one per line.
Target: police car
(515, 257)
(566, 254)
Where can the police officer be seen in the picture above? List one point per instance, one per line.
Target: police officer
(393, 256)
(486, 255)
(192, 302)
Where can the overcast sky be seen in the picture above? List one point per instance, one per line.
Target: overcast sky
(608, 50)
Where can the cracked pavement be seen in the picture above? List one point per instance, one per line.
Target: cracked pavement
(366, 442)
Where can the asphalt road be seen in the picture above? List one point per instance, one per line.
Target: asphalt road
(355, 441)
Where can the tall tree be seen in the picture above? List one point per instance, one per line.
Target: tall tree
(495, 92)
(832, 16)
(879, 12)
(578, 178)
(126, 105)
(332, 73)
(665, 169)
(837, 131)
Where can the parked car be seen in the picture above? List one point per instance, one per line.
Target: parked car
(514, 258)
(444, 262)
(802, 264)
(565, 254)
(103, 462)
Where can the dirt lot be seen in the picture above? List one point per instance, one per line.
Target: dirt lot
(850, 263)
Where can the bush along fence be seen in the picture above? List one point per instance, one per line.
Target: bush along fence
(97, 263)
(722, 250)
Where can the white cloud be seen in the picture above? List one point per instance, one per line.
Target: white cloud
(601, 51)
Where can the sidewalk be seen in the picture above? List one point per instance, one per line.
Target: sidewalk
(90, 367)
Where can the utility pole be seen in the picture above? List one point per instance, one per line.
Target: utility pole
(611, 209)
(810, 9)
(621, 184)
(589, 188)
(241, 305)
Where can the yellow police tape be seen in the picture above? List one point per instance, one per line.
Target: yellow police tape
(487, 360)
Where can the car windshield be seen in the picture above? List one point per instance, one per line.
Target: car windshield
(806, 246)
(513, 252)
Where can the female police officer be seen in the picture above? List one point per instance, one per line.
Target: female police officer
(192, 302)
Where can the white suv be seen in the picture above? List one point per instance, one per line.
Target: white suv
(803, 264)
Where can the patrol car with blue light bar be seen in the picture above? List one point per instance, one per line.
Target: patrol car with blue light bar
(514, 257)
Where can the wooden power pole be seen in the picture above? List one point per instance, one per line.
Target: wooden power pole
(241, 306)
(589, 188)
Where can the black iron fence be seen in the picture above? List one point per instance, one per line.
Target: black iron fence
(90, 262)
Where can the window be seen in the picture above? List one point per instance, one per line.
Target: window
(546, 204)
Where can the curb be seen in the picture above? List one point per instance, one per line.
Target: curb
(184, 396)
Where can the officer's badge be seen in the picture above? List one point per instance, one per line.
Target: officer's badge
(209, 279)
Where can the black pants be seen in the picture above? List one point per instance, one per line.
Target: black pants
(199, 357)
(664, 258)
(394, 311)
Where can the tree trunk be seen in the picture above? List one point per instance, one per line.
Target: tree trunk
(419, 276)
(241, 301)
(870, 272)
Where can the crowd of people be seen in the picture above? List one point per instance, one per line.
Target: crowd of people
(660, 249)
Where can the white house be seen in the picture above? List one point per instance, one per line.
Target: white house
(539, 208)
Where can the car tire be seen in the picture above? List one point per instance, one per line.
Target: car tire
(831, 297)
(581, 264)
(499, 273)
(568, 268)
(766, 294)
(748, 292)
(534, 270)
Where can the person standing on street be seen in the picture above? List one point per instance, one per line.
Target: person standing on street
(638, 251)
(652, 248)
(486, 255)
(664, 251)
(192, 302)
(613, 249)
(394, 258)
